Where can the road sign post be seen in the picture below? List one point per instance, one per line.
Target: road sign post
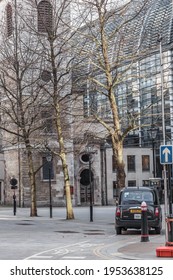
(13, 183)
(166, 155)
(166, 158)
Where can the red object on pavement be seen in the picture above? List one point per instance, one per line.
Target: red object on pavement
(164, 251)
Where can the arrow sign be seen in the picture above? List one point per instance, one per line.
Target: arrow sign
(166, 152)
(166, 155)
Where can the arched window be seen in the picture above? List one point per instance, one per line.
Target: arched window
(45, 17)
(9, 15)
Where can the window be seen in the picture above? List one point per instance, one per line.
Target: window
(132, 183)
(9, 20)
(115, 189)
(45, 17)
(145, 163)
(131, 163)
(47, 167)
(47, 122)
(136, 197)
(84, 158)
(46, 76)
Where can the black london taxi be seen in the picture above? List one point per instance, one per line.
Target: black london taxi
(128, 210)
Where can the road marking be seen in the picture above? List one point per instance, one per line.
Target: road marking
(61, 252)
(98, 251)
(67, 250)
(88, 245)
(71, 257)
(56, 249)
(43, 257)
(117, 254)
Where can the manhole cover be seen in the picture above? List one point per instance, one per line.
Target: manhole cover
(66, 231)
(24, 224)
(95, 230)
(94, 233)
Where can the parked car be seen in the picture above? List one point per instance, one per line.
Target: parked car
(128, 210)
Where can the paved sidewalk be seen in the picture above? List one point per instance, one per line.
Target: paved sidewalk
(143, 250)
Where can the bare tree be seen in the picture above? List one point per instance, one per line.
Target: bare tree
(21, 98)
(110, 51)
(35, 73)
(53, 33)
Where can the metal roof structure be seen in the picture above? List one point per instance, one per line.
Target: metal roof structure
(158, 21)
(154, 20)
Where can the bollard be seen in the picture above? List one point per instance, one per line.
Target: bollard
(144, 223)
(14, 204)
(169, 223)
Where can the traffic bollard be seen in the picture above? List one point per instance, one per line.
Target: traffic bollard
(14, 204)
(169, 224)
(144, 223)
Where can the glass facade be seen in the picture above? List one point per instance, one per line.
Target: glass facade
(138, 82)
(139, 94)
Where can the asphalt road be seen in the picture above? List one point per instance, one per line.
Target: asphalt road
(42, 238)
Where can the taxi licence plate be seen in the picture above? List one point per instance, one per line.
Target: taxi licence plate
(136, 211)
(137, 216)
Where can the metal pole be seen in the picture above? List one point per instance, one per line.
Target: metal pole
(106, 191)
(144, 222)
(170, 191)
(90, 181)
(14, 204)
(164, 133)
(102, 175)
(50, 190)
(154, 169)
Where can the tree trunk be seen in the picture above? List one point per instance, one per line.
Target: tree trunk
(33, 207)
(69, 213)
(118, 155)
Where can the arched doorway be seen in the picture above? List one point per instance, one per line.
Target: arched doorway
(85, 191)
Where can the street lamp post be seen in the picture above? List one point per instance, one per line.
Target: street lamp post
(163, 125)
(49, 160)
(91, 190)
(168, 215)
(153, 134)
(90, 151)
(105, 146)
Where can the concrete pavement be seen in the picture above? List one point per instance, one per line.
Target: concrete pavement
(109, 246)
(143, 250)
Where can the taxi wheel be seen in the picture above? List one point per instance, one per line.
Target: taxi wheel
(158, 230)
(118, 230)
